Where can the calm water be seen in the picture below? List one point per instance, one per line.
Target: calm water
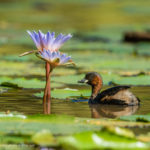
(24, 101)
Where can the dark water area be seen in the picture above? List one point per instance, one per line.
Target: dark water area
(22, 100)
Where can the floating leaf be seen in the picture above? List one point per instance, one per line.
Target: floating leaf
(40, 129)
(17, 68)
(67, 93)
(24, 83)
(8, 84)
(44, 138)
(100, 140)
(15, 147)
(138, 118)
(119, 131)
(15, 139)
(57, 125)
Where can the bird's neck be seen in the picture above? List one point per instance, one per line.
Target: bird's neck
(95, 90)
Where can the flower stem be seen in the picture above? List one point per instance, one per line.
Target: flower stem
(47, 96)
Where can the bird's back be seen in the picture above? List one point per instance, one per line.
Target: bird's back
(119, 95)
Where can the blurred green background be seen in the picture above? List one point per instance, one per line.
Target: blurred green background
(98, 28)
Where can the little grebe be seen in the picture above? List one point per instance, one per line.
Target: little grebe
(119, 95)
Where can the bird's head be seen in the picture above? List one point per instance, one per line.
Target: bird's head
(92, 78)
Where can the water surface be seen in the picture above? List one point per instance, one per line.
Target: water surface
(22, 100)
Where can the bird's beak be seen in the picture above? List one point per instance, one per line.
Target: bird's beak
(83, 81)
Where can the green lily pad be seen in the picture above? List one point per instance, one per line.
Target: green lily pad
(69, 79)
(67, 93)
(102, 60)
(29, 66)
(25, 83)
(119, 131)
(8, 84)
(15, 147)
(107, 77)
(138, 118)
(100, 140)
(44, 138)
(14, 139)
(57, 125)
(42, 129)
(16, 68)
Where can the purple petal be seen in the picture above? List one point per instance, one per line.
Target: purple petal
(66, 38)
(53, 55)
(58, 38)
(53, 34)
(57, 41)
(36, 36)
(48, 36)
(58, 54)
(48, 40)
(44, 54)
(48, 54)
(63, 56)
(62, 41)
(43, 40)
(65, 60)
(41, 36)
(35, 39)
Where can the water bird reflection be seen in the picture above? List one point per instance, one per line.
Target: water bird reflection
(111, 111)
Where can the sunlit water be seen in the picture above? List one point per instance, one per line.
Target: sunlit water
(23, 101)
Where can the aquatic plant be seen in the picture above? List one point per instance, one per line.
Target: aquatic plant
(54, 58)
(48, 50)
(48, 41)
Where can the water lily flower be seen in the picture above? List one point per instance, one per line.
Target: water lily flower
(55, 58)
(47, 41)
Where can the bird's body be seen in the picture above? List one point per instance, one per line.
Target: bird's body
(118, 95)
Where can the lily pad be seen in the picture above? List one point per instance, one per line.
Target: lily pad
(57, 125)
(15, 139)
(67, 93)
(54, 130)
(138, 118)
(107, 78)
(44, 138)
(100, 140)
(15, 147)
(17, 68)
(29, 67)
(119, 131)
(25, 83)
